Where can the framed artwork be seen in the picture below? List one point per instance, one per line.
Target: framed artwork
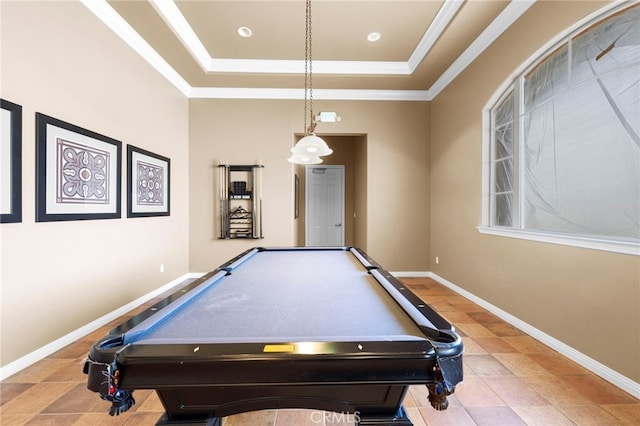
(10, 162)
(148, 183)
(78, 172)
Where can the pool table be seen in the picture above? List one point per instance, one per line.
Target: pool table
(300, 327)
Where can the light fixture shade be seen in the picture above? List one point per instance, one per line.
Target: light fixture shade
(311, 145)
(304, 159)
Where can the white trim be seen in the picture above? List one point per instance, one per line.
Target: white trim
(294, 66)
(371, 95)
(175, 20)
(507, 17)
(46, 350)
(612, 376)
(245, 93)
(512, 80)
(442, 20)
(500, 91)
(318, 94)
(120, 27)
(573, 241)
(486, 166)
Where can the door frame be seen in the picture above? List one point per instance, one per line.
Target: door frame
(307, 169)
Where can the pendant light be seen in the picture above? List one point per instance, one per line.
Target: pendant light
(304, 159)
(310, 148)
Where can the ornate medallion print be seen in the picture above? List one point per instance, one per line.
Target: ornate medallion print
(150, 184)
(82, 173)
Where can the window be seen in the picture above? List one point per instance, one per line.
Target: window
(564, 146)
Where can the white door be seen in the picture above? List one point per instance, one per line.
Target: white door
(324, 206)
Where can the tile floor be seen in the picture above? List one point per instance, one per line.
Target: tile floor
(510, 379)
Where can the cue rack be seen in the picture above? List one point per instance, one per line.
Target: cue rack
(240, 197)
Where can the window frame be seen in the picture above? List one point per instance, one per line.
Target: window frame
(514, 85)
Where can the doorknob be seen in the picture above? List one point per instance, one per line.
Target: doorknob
(338, 224)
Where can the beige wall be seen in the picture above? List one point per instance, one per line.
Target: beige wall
(588, 299)
(361, 188)
(245, 131)
(56, 277)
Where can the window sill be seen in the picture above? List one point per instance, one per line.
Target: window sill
(589, 243)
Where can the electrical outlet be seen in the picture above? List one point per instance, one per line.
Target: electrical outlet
(437, 260)
(161, 268)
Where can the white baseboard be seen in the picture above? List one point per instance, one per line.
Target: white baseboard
(590, 364)
(35, 356)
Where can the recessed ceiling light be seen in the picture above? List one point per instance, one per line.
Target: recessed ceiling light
(244, 32)
(374, 36)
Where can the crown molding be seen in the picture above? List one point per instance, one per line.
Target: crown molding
(298, 94)
(280, 66)
(171, 15)
(509, 15)
(120, 27)
(442, 20)
(175, 20)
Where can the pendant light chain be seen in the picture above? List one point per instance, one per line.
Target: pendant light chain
(310, 148)
(308, 73)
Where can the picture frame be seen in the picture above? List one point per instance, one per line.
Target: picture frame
(10, 162)
(148, 183)
(78, 172)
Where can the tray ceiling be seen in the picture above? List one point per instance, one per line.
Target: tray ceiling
(423, 44)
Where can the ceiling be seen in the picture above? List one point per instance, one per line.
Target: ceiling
(424, 44)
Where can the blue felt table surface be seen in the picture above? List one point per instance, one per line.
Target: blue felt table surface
(289, 296)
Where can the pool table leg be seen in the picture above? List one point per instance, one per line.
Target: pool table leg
(400, 418)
